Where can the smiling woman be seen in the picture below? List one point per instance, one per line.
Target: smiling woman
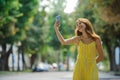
(89, 46)
(71, 4)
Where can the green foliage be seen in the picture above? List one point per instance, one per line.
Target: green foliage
(107, 29)
(37, 37)
(8, 17)
(15, 18)
(9, 11)
(109, 10)
(58, 7)
(28, 9)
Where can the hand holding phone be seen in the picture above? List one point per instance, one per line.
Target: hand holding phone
(57, 23)
(58, 18)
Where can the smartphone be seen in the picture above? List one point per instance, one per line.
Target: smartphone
(58, 18)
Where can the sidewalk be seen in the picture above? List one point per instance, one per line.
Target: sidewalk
(102, 76)
(108, 76)
(62, 75)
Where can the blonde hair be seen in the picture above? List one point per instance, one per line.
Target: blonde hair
(89, 29)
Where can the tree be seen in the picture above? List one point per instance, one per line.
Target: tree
(8, 17)
(14, 24)
(109, 10)
(28, 9)
(36, 36)
(109, 25)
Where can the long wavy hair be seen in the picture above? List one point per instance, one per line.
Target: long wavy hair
(89, 29)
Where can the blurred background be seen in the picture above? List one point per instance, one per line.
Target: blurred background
(28, 41)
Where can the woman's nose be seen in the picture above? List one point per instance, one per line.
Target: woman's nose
(79, 26)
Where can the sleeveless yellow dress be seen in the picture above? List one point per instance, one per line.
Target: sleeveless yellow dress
(85, 66)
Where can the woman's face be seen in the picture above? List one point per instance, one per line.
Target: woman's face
(81, 26)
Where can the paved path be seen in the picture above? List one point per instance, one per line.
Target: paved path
(51, 76)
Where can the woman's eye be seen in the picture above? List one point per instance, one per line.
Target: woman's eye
(79, 23)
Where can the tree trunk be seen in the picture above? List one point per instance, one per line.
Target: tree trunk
(110, 50)
(4, 57)
(23, 60)
(33, 59)
(18, 69)
(13, 62)
(22, 52)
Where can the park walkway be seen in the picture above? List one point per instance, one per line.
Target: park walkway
(51, 76)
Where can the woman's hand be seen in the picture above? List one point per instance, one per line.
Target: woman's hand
(56, 25)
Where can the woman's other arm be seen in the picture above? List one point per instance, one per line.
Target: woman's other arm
(100, 50)
(63, 41)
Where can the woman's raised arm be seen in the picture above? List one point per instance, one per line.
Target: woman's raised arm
(73, 40)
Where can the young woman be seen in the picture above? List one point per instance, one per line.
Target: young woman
(89, 44)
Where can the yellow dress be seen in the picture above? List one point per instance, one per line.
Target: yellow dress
(85, 66)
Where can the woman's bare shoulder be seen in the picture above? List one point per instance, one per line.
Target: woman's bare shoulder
(98, 41)
(76, 39)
